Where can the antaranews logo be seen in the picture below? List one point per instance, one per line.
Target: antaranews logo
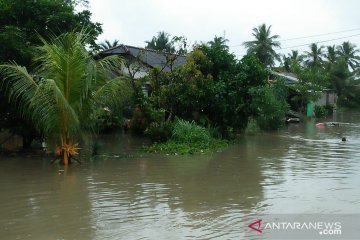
(256, 226)
(321, 227)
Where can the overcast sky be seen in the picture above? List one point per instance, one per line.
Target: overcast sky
(133, 22)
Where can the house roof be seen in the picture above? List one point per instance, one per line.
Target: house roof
(149, 57)
(290, 78)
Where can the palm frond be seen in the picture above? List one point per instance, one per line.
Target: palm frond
(19, 86)
(113, 93)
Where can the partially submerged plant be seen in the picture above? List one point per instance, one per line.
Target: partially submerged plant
(62, 93)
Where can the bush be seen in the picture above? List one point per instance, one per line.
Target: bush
(106, 120)
(269, 105)
(321, 111)
(159, 132)
(189, 132)
(187, 137)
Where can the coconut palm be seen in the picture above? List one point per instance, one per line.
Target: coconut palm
(107, 44)
(331, 54)
(314, 57)
(294, 56)
(161, 42)
(348, 51)
(263, 45)
(292, 59)
(59, 97)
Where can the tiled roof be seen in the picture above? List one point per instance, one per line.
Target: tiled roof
(149, 57)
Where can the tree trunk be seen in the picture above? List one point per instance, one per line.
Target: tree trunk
(64, 158)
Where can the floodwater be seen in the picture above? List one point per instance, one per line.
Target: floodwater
(123, 194)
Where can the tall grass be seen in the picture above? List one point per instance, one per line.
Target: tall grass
(189, 132)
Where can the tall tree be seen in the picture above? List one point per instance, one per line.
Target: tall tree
(263, 45)
(59, 97)
(161, 42)
(20, 22)
(221, 60)
(331, 54)
(314, 57)
(292, 59)
(295, 56)
(348, 51)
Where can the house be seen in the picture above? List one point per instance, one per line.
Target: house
(328, 97)
(147, 58)
(138, 61)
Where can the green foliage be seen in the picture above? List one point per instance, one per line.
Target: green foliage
(321, 111)
(190, 133)
(252, 126)
(68, 85)
(161, 42)
(269, 105)
(187, 137)
(22, 20)
(219, 59)
(172, 147)
(20, 23)
(263, 45)
(348, 52)
(314, 57)
(211, 88)
(311, 82)
(159, 132)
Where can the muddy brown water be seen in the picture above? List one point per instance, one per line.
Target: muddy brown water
(123, 194)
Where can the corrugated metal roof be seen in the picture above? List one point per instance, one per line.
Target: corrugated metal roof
(290, 78)
(149, 57)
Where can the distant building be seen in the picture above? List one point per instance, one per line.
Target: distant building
(328, 97)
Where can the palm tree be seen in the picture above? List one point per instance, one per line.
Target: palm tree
(348, 51)
(331, 54)
(263, 45)
(291, 60)
(314, 57)
(294, 56)
(61, 95)
(161, 42)
(107, 44)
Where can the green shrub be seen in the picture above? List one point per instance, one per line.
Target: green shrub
(189, 132)
(173, 147)
(159, 132)
(321, 111)
(269, 105)
(188, 138)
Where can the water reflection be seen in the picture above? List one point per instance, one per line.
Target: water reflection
(203, 196)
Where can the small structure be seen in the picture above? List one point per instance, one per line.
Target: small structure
(328, 97)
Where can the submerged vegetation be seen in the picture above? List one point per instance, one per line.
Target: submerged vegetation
(188, 137)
